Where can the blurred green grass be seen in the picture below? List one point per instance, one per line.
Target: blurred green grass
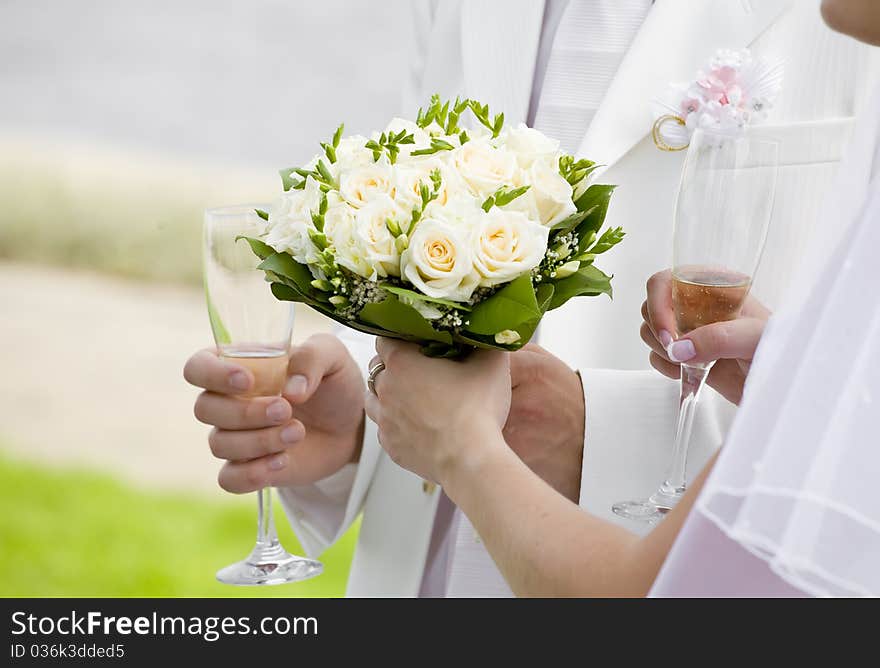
(78, 533)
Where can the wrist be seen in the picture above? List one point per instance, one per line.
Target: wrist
(476, 460)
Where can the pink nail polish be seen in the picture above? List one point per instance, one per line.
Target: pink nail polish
(296, 385)
(665, 338)
(238, 380)
(291, 434)
(278, 462)
(277, 411)
(681, 351)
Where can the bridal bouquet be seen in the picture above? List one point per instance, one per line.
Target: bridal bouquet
(451, 237)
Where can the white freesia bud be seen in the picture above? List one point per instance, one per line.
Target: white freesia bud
(422, 138)
(361, 184)
(567, 269)
(287, 230)
(483, 167)
(507, 337)
(438, 261)
(425, 309)
(507, 244)
(529, 145)
(551, 192)
(374, 240)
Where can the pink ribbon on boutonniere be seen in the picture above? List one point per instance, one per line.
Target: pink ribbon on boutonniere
(733, 91)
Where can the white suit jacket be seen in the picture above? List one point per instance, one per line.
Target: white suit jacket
(486, 49)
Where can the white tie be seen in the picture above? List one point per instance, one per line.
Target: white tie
(591, 40)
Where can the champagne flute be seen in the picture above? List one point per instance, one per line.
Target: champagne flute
(252, 329)
(722, 214)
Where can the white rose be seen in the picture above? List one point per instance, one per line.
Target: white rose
(484, 167)
(438, 261)
(374, 241)
(351, 153)
(361, 184)
(506, 244)
(551, 192)
(339, 228)
(529, 145)
(287, 230)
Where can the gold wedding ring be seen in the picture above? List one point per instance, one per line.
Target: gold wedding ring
(661, 143)
(374, 371)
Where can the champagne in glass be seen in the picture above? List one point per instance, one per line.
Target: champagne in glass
(722, 214)
(252, 329)
(702, 296)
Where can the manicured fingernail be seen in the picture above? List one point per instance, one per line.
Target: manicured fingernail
(296, 385)
(278, 462)
(665, 338)
(681, 351)
(277, 411)
(239, 380)
(291, 433)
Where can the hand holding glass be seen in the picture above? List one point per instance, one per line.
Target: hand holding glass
(722, 215)
(251, 329)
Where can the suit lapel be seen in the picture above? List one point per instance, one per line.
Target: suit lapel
(499, 47)
(677, 37)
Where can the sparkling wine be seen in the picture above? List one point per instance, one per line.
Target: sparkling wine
(701, 296)
(268, 366)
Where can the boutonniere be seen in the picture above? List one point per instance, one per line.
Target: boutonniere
(732, 92)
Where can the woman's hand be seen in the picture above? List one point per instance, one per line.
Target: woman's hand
(732, 343)
(436, 415)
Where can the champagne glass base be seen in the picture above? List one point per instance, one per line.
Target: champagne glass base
(650, 510)
(270, 566)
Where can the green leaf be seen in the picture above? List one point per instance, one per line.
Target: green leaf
(391, 315)
(587, 280)
(609, 239)
(594, 200)
(568, 223)
(397, 290)
(286, 293)
(543, 294)
(287, 180)
(260, 249)
(262, 214)
(284, 265)
(508, 308)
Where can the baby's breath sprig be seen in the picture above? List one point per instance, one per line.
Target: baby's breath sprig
(390, 143)
(575, 171)
(503, 196)
(481, 113)
(558, 261)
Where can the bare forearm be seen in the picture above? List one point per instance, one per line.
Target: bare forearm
(544, 544)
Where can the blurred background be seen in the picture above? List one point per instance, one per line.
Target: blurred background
(119, 123)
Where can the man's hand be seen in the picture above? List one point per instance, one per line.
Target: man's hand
(310, 432)
(545, 426)
(732, 343)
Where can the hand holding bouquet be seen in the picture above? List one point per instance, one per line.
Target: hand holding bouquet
(450, 237)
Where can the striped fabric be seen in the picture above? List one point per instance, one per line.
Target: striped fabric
(591, 40)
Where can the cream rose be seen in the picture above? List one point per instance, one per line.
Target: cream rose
(374, 241)
(484, 167)
(551, 192)
(422, 138)
(529, 145)
(360, 185)
(439, 262)
(507, 244)
(287, 229)
(350, 154)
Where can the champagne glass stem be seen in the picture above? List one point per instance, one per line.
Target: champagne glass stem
(266, 533)
(693, 376)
